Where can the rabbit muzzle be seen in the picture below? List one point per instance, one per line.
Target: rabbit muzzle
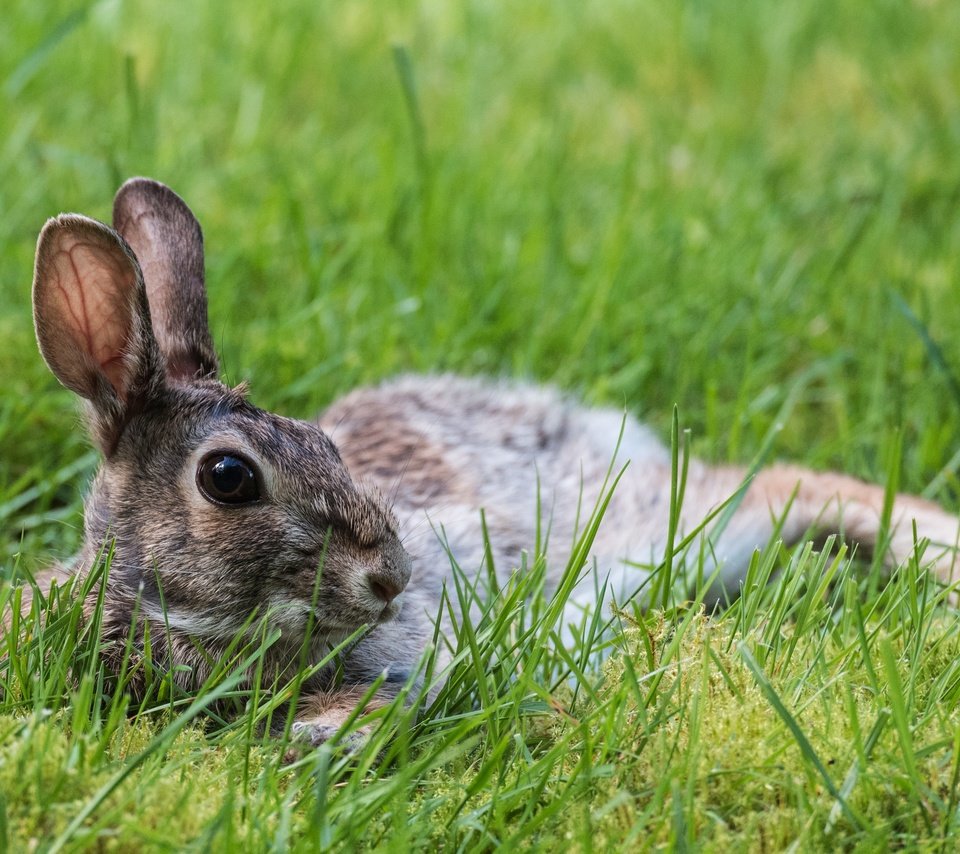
(384, 582)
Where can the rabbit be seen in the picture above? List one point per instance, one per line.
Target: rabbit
(217, 510)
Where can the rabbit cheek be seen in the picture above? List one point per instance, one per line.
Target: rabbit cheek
(202, 564)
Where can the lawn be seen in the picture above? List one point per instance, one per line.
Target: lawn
(748, 211)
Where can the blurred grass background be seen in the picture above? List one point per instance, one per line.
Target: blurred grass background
(749, 209)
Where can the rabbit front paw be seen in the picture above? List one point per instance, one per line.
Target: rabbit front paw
(321, 718)
(317, 732)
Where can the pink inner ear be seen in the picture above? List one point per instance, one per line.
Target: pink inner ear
(93, 289)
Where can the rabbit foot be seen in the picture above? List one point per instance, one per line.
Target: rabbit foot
(322, 716)
(308, 735)
(320, 732)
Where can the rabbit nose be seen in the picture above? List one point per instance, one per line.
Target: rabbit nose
(384, 588)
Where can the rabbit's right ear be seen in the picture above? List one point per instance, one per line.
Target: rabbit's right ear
(93, 321)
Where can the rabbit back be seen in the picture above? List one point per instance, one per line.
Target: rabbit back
(444, 447)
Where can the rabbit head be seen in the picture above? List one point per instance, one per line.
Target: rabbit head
(215, 509)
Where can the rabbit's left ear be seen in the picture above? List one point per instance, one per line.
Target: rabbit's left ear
(167, 240)
(93, 321)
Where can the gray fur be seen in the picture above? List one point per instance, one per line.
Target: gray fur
(440, 447)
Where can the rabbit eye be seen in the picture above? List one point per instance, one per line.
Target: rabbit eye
(226, 478)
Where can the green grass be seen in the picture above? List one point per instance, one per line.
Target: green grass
(748, 210)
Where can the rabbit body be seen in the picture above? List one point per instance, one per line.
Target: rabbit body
(446, 446)
(217, 510)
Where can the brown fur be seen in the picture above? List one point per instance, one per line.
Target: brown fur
(394, 453)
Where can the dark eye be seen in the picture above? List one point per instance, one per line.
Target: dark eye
(226, 478)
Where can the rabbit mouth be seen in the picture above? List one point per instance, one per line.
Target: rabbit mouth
(391, 611)
(324, 621)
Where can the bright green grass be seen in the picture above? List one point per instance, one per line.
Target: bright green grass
(747, 209)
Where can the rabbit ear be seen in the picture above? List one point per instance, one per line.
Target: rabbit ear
(168, 243)
(93, 322)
